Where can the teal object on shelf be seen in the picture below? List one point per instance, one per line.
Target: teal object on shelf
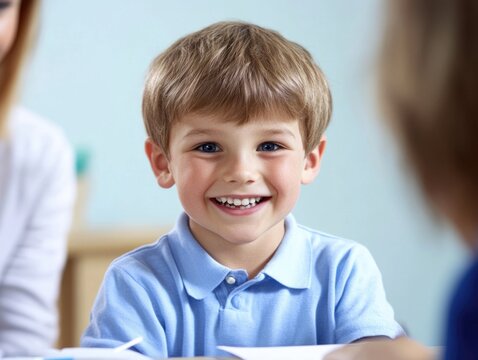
(82, 160)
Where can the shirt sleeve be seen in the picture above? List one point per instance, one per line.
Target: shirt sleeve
(462, 332)
(361, 308)
(30, 283)
(123, 310)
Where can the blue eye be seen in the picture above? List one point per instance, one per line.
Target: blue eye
(208, 148)
(268, 146)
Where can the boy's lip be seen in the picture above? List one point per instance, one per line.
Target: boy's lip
(240, 205)
(238, 199)
(240, 196)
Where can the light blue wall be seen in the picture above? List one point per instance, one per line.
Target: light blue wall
(87, 73)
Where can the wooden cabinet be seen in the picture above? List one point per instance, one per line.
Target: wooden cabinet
(89, 254)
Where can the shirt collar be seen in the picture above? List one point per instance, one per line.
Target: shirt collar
(201, 274)
(291, 263)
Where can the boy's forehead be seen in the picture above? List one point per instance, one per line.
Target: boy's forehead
(204, 118)
(197, 125)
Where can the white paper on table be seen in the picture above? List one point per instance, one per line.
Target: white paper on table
(307, 352)
(78, 353)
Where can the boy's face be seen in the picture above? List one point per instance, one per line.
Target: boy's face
(236, 182)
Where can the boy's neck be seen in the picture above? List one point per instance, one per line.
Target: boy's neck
(251, 256)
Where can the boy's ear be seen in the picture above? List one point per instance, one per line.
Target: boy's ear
(312, 161)
(159, 164)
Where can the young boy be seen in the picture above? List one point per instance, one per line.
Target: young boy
(235, 116)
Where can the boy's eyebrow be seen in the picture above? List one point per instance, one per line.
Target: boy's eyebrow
(280, 131)
(194, 132)
(267, 132)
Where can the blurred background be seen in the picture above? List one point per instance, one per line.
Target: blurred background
(86, 74)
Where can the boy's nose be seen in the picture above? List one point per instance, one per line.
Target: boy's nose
(240, 169)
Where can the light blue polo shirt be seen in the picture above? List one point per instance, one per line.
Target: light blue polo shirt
(317, 289)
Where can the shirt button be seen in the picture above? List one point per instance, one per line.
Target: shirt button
(231, 280)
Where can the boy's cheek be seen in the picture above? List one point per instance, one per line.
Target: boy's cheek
(191, 177)
(287, 169)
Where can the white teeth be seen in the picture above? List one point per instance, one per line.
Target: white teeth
(244, 203)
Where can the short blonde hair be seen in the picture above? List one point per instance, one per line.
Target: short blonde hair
(11, 65)
(238, 70)
(429, 87)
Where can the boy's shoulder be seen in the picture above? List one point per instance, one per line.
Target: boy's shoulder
(143, 259)
(334, 252)
(320, 250)
(323, 241)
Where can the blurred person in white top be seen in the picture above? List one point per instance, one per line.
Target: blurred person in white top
(37, 188)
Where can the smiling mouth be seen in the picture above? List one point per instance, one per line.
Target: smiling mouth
(236, 203)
